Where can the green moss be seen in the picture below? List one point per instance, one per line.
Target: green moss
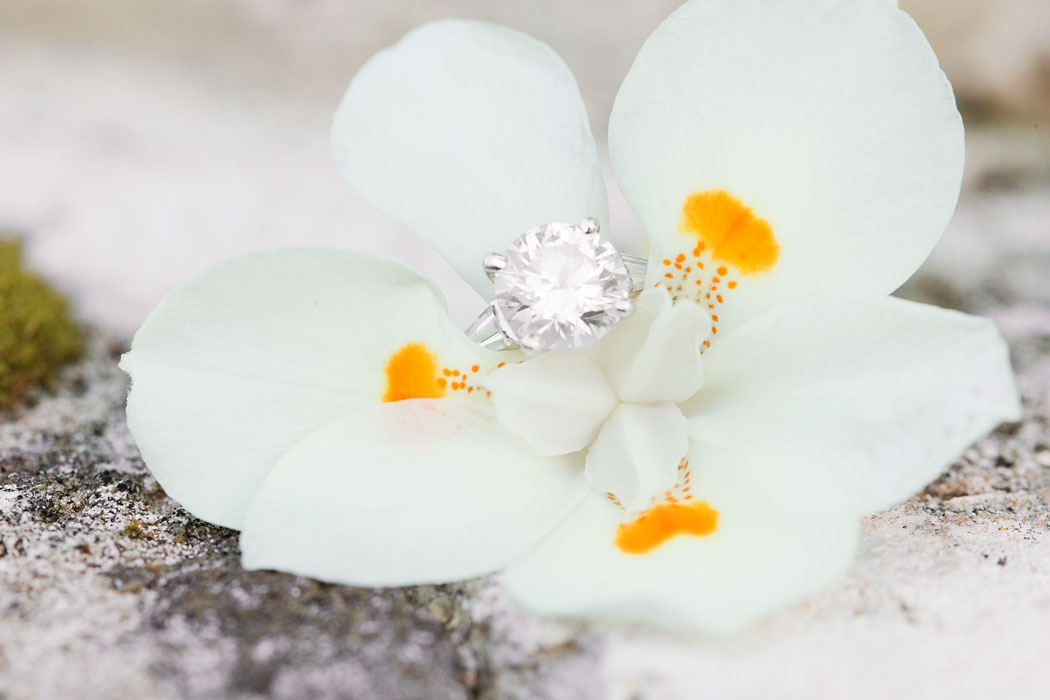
(37, 333)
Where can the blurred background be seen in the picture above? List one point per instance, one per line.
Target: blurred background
(143, 140)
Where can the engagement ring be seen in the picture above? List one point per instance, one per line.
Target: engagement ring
(557, 287)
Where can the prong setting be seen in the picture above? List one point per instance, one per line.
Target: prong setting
(590, 225)
(493, 263)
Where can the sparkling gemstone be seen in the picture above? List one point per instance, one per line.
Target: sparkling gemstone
(560, 288)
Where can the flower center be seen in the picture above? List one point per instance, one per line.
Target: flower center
(561, 288)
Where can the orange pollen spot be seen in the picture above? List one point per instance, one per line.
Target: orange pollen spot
(475, 369)
(714, 318)
(680, 258)
(668, 275)
(719, 297)
(736, 235)
(667, 262)
(660, 523)
(732, 285)
(455, 373)
(412, 373)
(500, 365)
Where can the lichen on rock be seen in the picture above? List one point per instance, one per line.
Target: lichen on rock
(37, 332)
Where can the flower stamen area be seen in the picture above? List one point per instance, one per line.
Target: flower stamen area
(725, 237)
(675, 513)
(662, 522)
(414, 372)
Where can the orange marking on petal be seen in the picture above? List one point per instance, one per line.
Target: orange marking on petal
(737, 236)
(412, 373)
(500, 365)
(723, 270)
(667, 262)
(680, 258)
(732, 285)
(660, 523)
(475, 369)
(668, 275)
(719, 297)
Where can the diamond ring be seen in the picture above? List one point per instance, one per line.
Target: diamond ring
(557, 287)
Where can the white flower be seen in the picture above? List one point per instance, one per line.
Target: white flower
(791, 162)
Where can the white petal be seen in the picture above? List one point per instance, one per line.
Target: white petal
(422, 491)
(654, 354)
(882, 393)
(781, 535)
(556, 402)
(468, 134)
(831, 120)
(637, 453)
(235, 367)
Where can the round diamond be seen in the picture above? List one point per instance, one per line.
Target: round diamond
(560, 288)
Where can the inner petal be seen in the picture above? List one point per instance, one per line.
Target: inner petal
(637, 454)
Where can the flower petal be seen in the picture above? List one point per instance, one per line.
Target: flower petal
(789, 148)
(654, 354)
(882, 393)
(781, 534)
(556, 402)
(419, 491)
(235, 367)
(636, 455)
(468, 134)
